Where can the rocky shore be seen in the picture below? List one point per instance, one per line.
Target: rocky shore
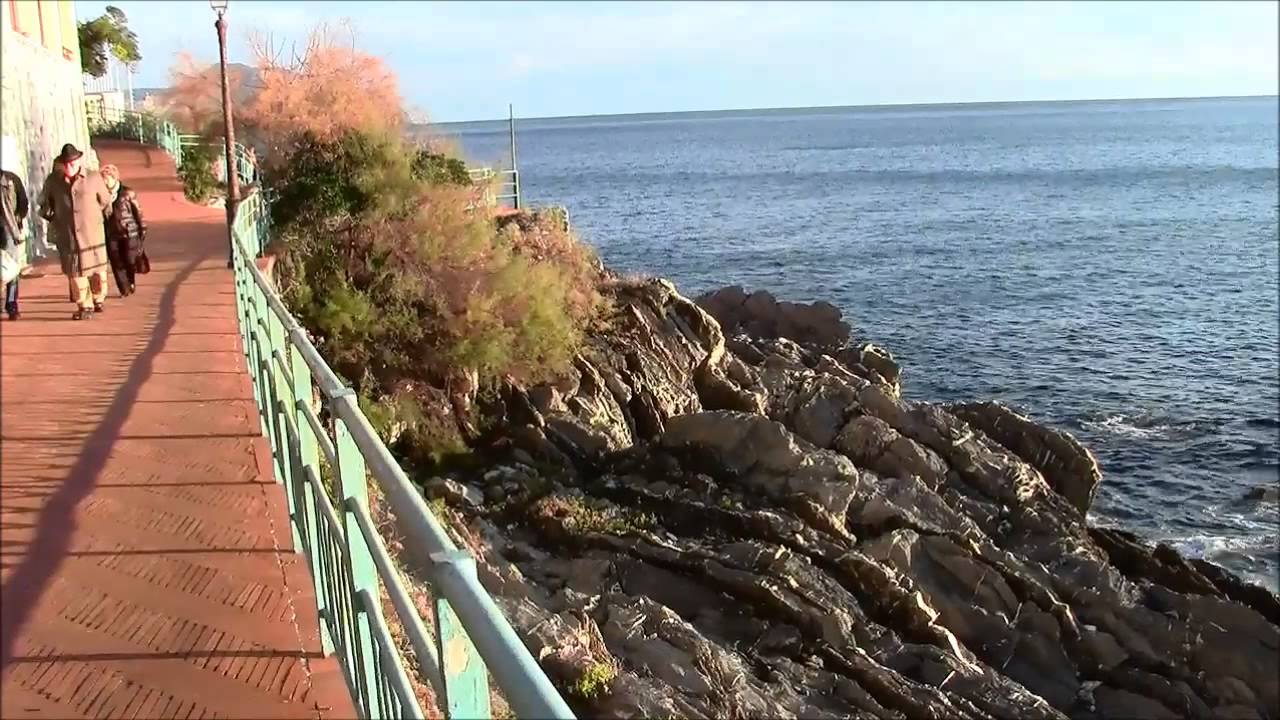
(728, 508)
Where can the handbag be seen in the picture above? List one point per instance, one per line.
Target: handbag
(9, 268)
(142, 265)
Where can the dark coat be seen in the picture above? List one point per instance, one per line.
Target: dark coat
(75, 212)
(126, 230)
(13, 207)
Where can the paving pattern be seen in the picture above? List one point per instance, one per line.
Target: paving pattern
(146, 561)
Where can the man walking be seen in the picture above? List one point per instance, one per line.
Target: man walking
(13, 209)
(75, 202)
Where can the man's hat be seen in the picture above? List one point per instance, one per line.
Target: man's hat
(69, 153)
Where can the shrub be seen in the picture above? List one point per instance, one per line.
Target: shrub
(198, 181)
(140, 127)
(594, 681)
(403, 284)
(436, 168)
(359, 174)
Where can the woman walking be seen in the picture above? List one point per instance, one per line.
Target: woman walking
(75, 201)
(126, 230)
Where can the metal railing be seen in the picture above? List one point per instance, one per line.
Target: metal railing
(246, 164)
(130, 125)
(325, 453)
(506, 184)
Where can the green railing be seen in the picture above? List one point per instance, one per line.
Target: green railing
(129, 125)
(246, 167)
(326, 453)
(503, 185)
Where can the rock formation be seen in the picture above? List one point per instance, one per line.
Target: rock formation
(745, 518)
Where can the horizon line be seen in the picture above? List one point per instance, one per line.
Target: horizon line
(880, 106)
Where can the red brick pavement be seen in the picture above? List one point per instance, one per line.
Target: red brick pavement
(146, 560)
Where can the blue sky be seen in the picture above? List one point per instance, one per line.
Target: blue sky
(467, 60)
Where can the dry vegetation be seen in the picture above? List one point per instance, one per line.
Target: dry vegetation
(290, 90)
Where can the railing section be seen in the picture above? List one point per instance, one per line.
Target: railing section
(129, 125)
(246, 164)
(325, 452)
(506, 184)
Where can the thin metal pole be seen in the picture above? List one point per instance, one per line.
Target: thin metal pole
(229, 138)
(515, 173)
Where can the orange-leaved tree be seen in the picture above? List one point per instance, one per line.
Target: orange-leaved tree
(193, 100)
(328, 88)
(324, 89)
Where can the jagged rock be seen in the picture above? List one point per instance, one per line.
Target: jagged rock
(1067, 465)
(760, 314)
(453, 491)
(870, 442)
(752, 526)
(875, 364)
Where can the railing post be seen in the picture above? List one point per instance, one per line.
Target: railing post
(353, 488)
(260, 353)
(242, 309)
(466, 680)
(309, 457)
(283, 412)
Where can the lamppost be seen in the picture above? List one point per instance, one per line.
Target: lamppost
(229, 131)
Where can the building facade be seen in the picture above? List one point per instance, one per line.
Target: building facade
(43, 105)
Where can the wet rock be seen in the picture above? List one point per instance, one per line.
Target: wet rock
(1265, 493)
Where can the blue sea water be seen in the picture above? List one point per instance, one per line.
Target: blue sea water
(1109, 267)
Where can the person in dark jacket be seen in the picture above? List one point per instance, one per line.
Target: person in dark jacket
(126, 230)
(14, 204)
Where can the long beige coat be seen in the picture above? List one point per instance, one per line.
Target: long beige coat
(75, 212)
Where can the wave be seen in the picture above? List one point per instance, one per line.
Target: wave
(1255, 558)
(1146, 425)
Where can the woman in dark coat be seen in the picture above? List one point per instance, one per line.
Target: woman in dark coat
(126, 230)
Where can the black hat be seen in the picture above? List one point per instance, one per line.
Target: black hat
(69, 153)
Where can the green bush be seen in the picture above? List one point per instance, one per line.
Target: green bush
(438, 169)
(403, 285)
(360, 174)
(198, 181)
(140, 128)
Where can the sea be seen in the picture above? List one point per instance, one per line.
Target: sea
(1107, 267)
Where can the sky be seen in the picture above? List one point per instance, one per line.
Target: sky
(468, 60)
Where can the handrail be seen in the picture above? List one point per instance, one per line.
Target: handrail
(350, 564)
(132, 125)
(246, 164)
(508, 188)
(152, 130)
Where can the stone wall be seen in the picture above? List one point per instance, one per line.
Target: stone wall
(42, 105)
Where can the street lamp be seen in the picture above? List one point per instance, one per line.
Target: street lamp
(229, 131)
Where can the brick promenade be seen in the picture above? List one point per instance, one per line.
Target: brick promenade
(146, 560)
